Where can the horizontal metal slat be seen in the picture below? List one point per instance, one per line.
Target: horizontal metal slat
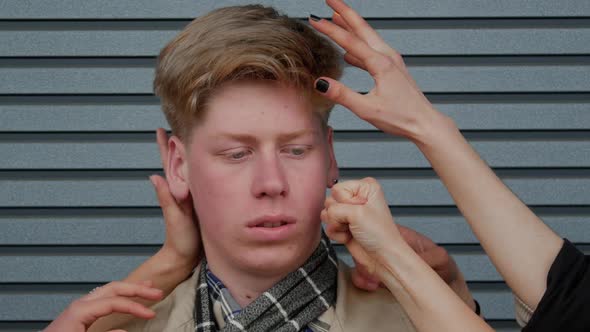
(494, 114)
(495, 298)
(27, 307)
(137, 9)
(376, 153)
(92, 265)
(138, 192)
(456, 41)
(26, 326)
(147, 228)
(431, 78)
(111, 117)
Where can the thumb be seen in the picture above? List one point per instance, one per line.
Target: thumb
(341, 94)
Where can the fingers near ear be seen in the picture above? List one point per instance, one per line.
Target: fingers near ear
(162, 139)
(340, 213)
(348, 192)
(329, 201)
(165, 198)
(338, 232)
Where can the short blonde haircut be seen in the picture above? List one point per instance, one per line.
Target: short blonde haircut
(240, 43)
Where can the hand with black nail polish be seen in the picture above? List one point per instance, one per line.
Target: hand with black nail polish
(395, 104)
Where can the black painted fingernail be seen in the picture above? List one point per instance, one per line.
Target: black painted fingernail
(315, 18)
(322, 85)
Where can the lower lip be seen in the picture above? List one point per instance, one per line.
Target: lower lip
(271, 234)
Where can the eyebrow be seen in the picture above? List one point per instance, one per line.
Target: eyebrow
(283, 137)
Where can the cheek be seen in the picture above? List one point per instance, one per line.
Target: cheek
(309, 185)
(213, 191)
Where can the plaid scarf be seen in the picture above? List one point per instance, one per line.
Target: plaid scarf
(293, 304)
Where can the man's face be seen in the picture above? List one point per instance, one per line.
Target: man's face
(257, 167)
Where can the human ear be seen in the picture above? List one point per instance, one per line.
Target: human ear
(333, 172)
(177, 175)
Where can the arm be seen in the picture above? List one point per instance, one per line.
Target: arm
(508, 231)
(179, 255)
(358, 216)
(435, 256)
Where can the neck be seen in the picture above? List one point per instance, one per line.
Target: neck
(245, 287)
(247, 284)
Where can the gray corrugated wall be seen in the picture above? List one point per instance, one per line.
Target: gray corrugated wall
(77, 117)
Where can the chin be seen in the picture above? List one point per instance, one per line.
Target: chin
(283, 260)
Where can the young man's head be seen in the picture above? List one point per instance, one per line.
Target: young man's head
(251, 142)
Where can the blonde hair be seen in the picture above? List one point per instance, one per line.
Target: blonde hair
(237, 43)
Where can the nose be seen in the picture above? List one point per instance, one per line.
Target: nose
(270, 179)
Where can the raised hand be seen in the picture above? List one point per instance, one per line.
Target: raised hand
(115, 297)
(395, 104)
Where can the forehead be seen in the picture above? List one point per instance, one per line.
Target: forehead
(256, 106)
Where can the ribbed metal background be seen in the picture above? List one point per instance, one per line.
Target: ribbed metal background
(77, 117)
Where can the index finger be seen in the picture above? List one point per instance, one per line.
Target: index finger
(94, 309)
(119, 288)
(357, 24)
(374, 61)
(162, 139)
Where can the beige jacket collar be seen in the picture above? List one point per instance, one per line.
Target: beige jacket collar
(356, 310)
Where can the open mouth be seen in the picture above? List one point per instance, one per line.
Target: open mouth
(271, 221)
(272, 228)
(272, 224)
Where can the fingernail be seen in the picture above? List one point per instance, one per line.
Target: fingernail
(152, 179)
(322, 85)
(314, 18)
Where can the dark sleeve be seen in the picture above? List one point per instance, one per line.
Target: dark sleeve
(565, 306)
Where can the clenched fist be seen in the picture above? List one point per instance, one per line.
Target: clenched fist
(357, 215)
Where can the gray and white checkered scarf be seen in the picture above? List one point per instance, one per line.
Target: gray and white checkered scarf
(293, 304)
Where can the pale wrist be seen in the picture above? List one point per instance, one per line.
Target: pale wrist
(393, 258)
(432, 128)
